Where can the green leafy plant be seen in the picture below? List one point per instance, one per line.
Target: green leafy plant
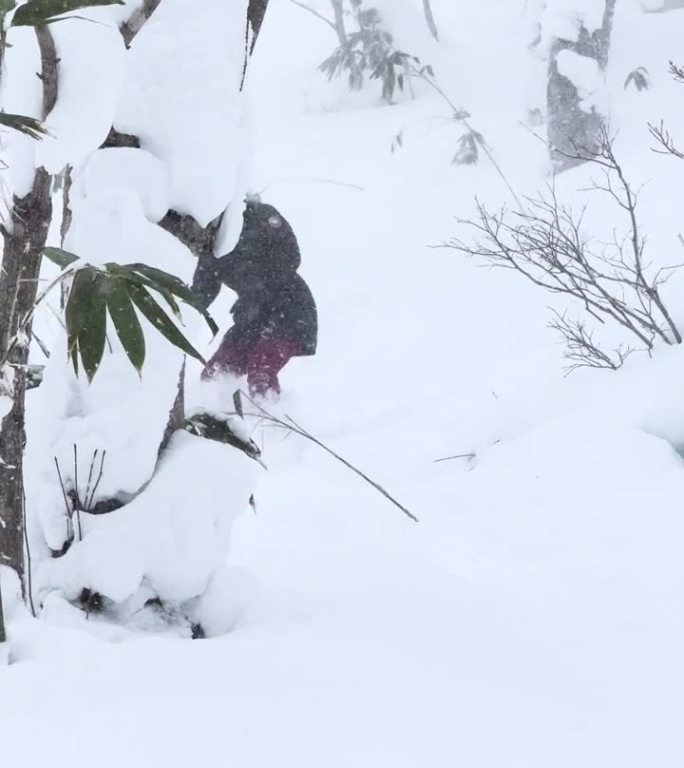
(369, 51)
(38, 12)
(29, 126)
(123, 291)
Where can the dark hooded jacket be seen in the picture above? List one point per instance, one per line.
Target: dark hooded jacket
(262, 270)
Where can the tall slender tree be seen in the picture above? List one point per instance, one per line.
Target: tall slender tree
(25, 236)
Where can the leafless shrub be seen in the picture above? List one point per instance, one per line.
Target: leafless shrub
(665, 142)
(74, 503)
(581, 349)
(545, 241)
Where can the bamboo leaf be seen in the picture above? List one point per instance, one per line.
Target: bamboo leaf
(6, 6)
(73, 313)
(157, 279)
(92, 336)
(34, 13)
(166, 280)
(127, 274)
(29, 126)
(126, 324)
(60, 257)
(86, 320)
(160, 320)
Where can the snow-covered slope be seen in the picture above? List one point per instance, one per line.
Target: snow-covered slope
(532, 618)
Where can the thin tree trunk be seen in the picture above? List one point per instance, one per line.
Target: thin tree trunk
(3, 632)
(22, 258)
(24, 241)
(340, 28)
(355, 73)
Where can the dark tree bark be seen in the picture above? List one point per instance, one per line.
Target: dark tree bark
(21, 262)
(24, 241)
(573, 130)
(256, 12)
(3, 633)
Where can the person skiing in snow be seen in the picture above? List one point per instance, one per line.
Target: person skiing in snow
(275, 317)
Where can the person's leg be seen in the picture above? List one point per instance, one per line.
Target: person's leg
(265, 361)
(230, 357)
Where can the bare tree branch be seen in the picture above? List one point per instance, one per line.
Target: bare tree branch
(546, 244)
(666, 142)
(290, 426)
(315, 13)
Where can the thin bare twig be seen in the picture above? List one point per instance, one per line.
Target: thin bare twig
(29, 560)
(467, 456)
(290, 425)
(89, 502)
(67, 506)
(545, 242)
(462, 117)
(665, 141)
(77, 500)
(315, 13)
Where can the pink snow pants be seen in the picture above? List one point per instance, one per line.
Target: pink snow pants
(261, 362)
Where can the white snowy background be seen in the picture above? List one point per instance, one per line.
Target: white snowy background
(534, 616)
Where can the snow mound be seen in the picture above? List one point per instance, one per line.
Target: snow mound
(191, 120)
(170, 540)
(91, 72)
(128, 169)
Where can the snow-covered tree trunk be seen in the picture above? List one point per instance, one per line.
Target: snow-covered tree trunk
(158, 178)
(24, 236)
(18, 282)
(576, 73)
